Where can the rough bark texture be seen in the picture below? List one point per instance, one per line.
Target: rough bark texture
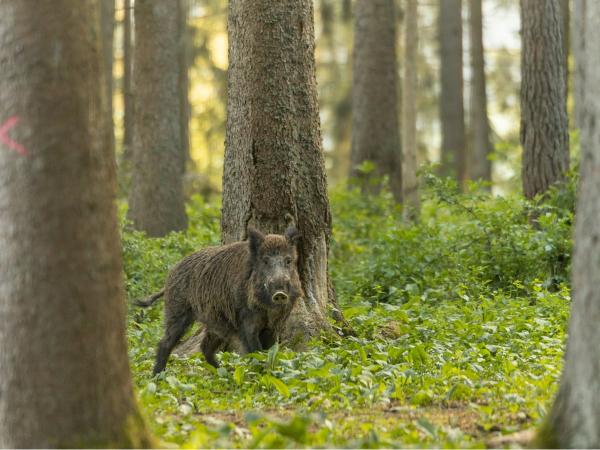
(480, 167)
(64, 376)
(544, 127)
(107, 28)
(452, 115)
(574, 421)
(410, 192)
(578, 39)
(156, 203)
(127, 80)
(375, 125)
(274, 167)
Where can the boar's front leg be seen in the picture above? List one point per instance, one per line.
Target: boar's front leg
(249, 338)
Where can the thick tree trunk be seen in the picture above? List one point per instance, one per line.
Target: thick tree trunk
(480, 167)
(64, 376)
(452, 115)
(409, 113)
(578, 38)
(127, 81)
(574, 421)
(274, 167)
(107, 28)
(156, 203)
(375, 125)
(544, 127)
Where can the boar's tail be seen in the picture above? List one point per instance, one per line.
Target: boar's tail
(150, 300)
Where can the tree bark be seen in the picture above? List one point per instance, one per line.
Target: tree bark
(64, 376)
(574, 421)
(156, 203)
(274, 171)
(565, 16)
(127, 79)
(409, 113)
(375, 124)
(544, 127)
(184, 65)
(107, 28)
(453, 151)
(578, 39)
(480, 167)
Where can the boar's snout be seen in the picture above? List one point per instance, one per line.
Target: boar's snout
(280, 297)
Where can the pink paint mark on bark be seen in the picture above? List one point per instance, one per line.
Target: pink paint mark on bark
(10, 123)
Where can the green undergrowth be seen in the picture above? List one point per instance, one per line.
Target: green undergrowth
(459, 320)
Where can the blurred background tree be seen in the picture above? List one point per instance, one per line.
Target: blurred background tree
(206, 46)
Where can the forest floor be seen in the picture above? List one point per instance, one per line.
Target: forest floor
(460, 328)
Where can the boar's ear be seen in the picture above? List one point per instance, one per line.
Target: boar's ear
(255, 239)
(292, 235)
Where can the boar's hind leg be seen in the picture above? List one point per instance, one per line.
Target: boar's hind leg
(175, 327)
(209, 346)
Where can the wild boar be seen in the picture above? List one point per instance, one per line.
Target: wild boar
(245, 290)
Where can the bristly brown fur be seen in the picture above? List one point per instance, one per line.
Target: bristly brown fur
(230, 290)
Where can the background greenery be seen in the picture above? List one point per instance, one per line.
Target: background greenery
(459, 320)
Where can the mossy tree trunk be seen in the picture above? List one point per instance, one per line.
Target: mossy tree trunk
(452, 114)
(156, 203)
(375, 124)
(64, 375)
(274, 172)
(544, 127)
(574, 421)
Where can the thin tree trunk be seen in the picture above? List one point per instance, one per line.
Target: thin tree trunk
(409, 113)
(184, 64)
(156, 203)
(375, 124)
(127, 79)
(574, 421)
(274, 171)
(481, 166)
(565, 15)
(453, 151)
(107, 27)
(64, 376)
(544, 127)
(578, 38)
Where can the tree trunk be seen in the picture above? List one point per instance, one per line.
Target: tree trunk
(156, 203)
(64, 375)
(107, 28)
(375, 125)
(481, 166)
(184, 64)
(578, 38)
(574, 421)
(274, 171)
(127, 78)
(544, 127)
(453, 153)
(565, 17)
(409, 113)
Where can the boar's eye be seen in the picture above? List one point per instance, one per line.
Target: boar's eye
(288, 260)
